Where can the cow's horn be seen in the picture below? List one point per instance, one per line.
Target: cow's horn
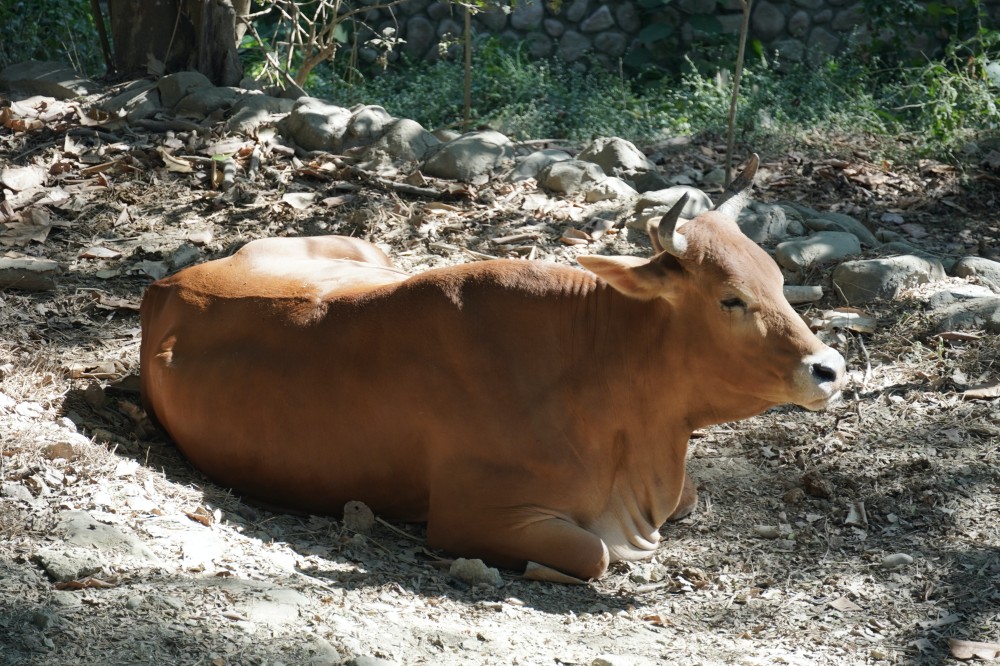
(673, 242)
(738, 193)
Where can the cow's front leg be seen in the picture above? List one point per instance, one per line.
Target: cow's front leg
(541, 544)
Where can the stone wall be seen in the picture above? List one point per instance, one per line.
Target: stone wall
(800, 30)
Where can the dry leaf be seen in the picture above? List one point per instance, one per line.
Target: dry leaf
(983, 392)
(962, 649)
(98, 252)
(851, 319)
(203, 516)
(174, 163)
(85, 584)
(299, 200)
(575, 237)
(844, 604)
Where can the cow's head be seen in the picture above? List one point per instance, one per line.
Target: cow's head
(727, 312)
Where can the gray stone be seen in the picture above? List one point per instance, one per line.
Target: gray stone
(539, 45)
(981, 314)
(789, 50)
(823, 16)
(599, 20)
(957, 294)
(252, 111)
(414, 7)
(63, 564)
(866, 280)
(611, 43)
(135, 103)
(572, 46)
(822, 44)
(420, 35)
(175, 87)
(848, 18)
(819, 248)
(577, 10)
(79, 528)
(494, 19)
(52, 79)
(615, 155)
(367, 124)
(527, 15)
(830, 221)
(470, 156)
(981, 269)
(628, 18)
(798, 24)
(475, 572)
(609, 189)
(648, 181)
(369, 661)
(764, 224)
(767, 21)
(439, 10)
(405, 140)
(449, 28)
(570, 176)
(316, 125)
(698, 202)
(697, 6)
(203, 102)
(553, 27)
(13, 490)
(529, 166)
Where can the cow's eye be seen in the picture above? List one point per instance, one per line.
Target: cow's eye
(733, 304)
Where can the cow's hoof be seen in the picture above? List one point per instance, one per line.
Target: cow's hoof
(535, 571)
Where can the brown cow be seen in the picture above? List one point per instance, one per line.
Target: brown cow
(528, 412)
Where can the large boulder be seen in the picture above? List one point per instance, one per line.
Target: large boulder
(867, 280)
(471, 156)
(819, 248)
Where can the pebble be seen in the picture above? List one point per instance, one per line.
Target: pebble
(896, 560)
(358, 517)
(475, 572)
(767, 531)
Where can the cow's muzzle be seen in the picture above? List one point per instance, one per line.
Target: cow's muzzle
(820, 379)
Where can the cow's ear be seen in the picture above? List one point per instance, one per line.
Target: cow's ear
(634, 277)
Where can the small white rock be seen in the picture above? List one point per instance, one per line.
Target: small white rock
(896, 560)
(767, 531)
(475, 572)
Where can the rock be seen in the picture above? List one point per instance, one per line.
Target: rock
(475, 572)
(64, 564)
(764, 223)
(830, 221)
(358, 517)
(135, 103)
(52, 79)
(796, 294)
(175, 87)
(616, 156)
(983, 270)
(599, 21)
(698, 202)
(420, 35)
(570, 176)
(366, 125)
(767, 531)
(981, 313)
(896, 560)
(609, 189)
(649, 181)
(816, 486)
(866, 280)
(316, 125)
(529, 166)
(204, 102)
(470, 156)
(250, 112)
(527, 15)
(369, 661)
(79, 528)
(273, 606)
(13, 490)
(572, 46)
(405, 140)
(821, 247)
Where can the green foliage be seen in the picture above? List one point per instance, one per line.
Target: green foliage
(49, 30)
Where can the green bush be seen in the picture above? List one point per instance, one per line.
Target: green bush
(50, 30)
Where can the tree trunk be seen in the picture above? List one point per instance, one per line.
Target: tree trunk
(163, 36)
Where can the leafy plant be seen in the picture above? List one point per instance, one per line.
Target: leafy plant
(49, 30)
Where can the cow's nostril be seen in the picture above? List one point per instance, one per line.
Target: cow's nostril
(824, 373)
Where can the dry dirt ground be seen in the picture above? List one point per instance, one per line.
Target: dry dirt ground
(783, 562)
